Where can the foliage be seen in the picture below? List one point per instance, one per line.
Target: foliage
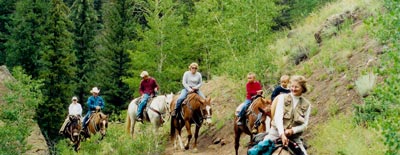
(27, 34)
(160, 47)
(118, 141)
(120, 19)
(17, 111)
(57, 69)
(382, 106)
(339, 135)
(7, 7)
(84, 30)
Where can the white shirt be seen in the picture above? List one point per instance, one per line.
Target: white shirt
(75, 109)
(278, 118)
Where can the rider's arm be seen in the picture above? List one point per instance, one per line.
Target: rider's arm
(302, 127)
(79, 110)
(185, 82)
(278, 116)
(102, 104)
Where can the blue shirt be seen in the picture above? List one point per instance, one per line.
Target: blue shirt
(278, 90)
(95, 101)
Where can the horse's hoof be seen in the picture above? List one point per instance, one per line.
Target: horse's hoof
(186, 147)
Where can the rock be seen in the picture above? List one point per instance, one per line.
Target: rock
(222, 142)
(36, 142)
(217, 140)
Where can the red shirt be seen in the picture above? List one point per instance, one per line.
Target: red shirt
(147, 86)
(252, 88)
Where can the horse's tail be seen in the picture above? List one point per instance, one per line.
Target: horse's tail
(128, 123)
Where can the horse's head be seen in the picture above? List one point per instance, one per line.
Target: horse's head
(102, 123)
(262, 106)
(75, 127)
(206, 109)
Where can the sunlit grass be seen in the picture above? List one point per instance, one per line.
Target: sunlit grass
(339, 135)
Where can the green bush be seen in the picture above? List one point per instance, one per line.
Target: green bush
(18, 111)
(381, 109)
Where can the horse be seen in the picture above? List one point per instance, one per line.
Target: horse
(72, 131)
(259, 106)
(156, 113)
(98, 122)
(194, 111)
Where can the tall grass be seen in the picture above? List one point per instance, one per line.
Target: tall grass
(117, 141)
(339, 135)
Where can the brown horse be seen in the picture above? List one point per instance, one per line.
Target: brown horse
(194, 111)
(72, 131)
(98, 122)
(259, 106)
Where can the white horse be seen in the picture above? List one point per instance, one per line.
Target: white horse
(157, 111)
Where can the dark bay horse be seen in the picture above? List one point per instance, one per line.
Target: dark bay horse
(98, 122)
(72, 131)
(259, 106)
(194, 111)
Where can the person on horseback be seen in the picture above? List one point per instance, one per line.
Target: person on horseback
(291, 115)
(148, 87)
(253, 88)
(284, 81)
(192, 81)
(95, 103)
(74, 109)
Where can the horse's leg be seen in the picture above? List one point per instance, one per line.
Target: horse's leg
(189, 132)
(196, 134)
(238, 132)
(180, 140)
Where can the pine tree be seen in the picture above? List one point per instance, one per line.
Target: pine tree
(56, 68)
(85, 29)
(120, 19)
(27, 32)
(7, 7)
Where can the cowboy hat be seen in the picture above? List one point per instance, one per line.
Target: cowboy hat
(95, 90)
(144, 73)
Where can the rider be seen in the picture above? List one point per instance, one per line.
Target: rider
(192, 81)
(148, 87)
(95, 103)
(284, 81)
(253, 88)
(292, 114)
(74, 109)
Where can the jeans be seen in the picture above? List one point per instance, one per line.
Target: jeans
(142, 104)
(182, 97)
(86, 118)
(246, 105)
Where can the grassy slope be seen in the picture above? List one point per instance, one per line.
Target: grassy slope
(332, 71)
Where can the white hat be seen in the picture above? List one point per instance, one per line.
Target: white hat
(95, 90)
(144, 73)
(74, 98)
